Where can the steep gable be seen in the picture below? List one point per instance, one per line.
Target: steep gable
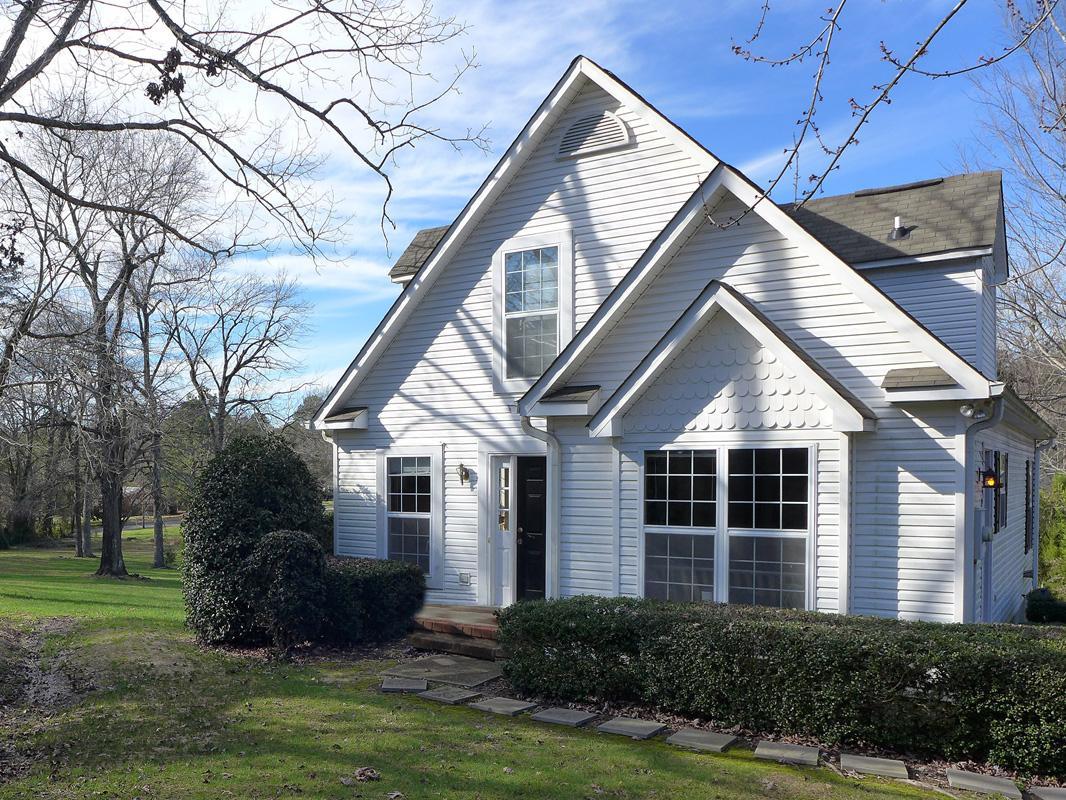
(614, 202)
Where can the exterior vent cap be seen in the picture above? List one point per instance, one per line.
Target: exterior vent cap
(594, 134)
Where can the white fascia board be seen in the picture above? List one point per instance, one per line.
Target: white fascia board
(650, 264)
(925, 342)
(715, 297)
(357, 423)
(569, 408)
(932, 258)
(933, 394)
(581, 69)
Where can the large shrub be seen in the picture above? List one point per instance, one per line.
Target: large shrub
(991, 693)
(1042, 605)
(290, 569)
(257, 484)
(370, 600)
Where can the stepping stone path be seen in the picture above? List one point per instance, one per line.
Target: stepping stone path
(633, 728)
(787, 753)
(564, 716)
(706, 741)
(402, 685)
(503, 705)
(450, 695)
(984, 784)
(885, 767)
(456, 670)
(1047, 793)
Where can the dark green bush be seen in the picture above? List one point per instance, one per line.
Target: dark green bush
(990, 693)
(257, 484)
(324, 534)
(1043, 606)
(370, 600)
(290, 569)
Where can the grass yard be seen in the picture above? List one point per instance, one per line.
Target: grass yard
(166, 719)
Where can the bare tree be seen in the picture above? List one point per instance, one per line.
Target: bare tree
(236, 334)
(1025, 119)
(1025, 21)
(249, 90)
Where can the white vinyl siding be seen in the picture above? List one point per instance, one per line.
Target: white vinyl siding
(435, 380)
(945, 299)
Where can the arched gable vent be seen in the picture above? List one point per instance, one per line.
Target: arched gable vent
(593, 134)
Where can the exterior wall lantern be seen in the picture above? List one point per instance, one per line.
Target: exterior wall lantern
(463, 473)
(989, 479)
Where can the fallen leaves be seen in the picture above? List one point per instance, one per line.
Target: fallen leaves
(361, 775)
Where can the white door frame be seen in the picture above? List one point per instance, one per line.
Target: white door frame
(487, 452)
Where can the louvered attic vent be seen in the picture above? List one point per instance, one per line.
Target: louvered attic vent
(594, 134)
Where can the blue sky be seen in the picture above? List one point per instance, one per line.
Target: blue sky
(680, 59)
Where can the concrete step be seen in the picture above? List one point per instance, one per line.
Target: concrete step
(485, 649)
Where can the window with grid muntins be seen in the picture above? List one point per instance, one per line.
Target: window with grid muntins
(768, 571)
(768, 488)
(679, 566)
(531, 310)
(680, 488)
(408, 509)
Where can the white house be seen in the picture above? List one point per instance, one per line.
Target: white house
(621, 372)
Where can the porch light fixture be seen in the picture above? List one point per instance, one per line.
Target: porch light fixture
(989, 479)
(463, 473)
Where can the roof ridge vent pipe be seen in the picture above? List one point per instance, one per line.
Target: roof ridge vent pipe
(899, 230)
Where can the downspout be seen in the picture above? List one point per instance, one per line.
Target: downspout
(1037, 452)
(970, 539)
(555, 487)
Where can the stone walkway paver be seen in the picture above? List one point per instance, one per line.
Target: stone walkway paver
(884, 767)
(456, 670)
(787, 753)
(707, 741)
(503, 705)
(450, 695)
(984, 784)
(564, 716)
(1047, 793)
(391, 684)
(633, 728)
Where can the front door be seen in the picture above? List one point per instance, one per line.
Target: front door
(531, 488)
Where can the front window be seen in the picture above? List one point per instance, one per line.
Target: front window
(768, 496)
(408, 510)
(531, 310)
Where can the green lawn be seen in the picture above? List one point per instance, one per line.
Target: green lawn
(168, 719)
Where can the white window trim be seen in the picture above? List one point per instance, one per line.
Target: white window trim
(435, 453)
(721, 545)
(562, 239)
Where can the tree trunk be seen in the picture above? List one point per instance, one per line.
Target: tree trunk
(111, 561)
(157, 497)
(75, 499)
(87, 521)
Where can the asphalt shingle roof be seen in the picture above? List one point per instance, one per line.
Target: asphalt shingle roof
(952, 213)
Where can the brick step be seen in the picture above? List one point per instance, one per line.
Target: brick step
(485, 649)
(472, 630)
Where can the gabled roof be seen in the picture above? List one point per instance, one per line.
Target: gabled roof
(725, 179)
(581, 71)
(957, 212)
(849, 413)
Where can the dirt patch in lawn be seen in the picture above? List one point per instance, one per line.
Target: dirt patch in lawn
(34, 684)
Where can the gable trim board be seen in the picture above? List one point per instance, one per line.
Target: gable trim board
(849, 414)
(581, 70)
(725, 179)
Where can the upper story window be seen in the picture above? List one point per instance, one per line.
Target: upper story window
(531, 310)
(533, 307)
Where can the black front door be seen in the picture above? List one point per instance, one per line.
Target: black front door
(531, 487)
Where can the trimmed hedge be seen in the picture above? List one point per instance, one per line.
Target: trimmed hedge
(290, 569)
(1042, 606)
(257, 484)
(988, 693)
(370, 600)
